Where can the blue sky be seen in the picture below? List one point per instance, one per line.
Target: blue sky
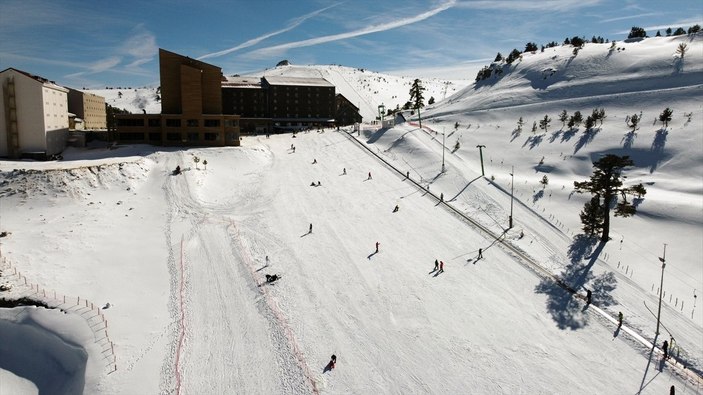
(115, 43)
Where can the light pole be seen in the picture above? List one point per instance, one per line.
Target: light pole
(480, 151)
(510, 219)
(661, 289)
(442, 149)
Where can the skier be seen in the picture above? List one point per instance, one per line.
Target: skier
(588, 296)
(436, 264)
(480, 253)
(271, 278)
(314, 161)
(177, 171)
(441, 197)
(369, 175)
(377, 244)
(395, 210)
(310, 231)
(333, 359)
(318, 184)
(619, 319)
(267, 260)
(407, 175)
(665, 349)
(441, 266)
(344, 171)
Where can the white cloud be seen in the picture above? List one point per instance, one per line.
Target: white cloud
(295, 23)
(277, 49)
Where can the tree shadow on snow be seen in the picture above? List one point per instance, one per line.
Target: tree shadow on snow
(628, 139)
(555, 135)
(534, 141)
(516, 133)
(537, 196)
(658, 147)
(587, 136)
(568, 134)
(566, 310)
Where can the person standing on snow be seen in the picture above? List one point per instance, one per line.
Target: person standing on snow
(665, 349)
(436, 264)
(480, 253)
(377, 244)
(619, 319)
(369, 175)
(441, 266)
(310, 231)
(588, 296)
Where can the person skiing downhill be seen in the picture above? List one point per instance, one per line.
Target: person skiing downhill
(619, 319)
(588, 296)
(436, 264)
(480, 253)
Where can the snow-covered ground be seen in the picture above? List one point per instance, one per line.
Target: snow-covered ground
(172, 267)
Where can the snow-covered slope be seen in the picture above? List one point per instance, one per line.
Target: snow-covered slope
(181, 260)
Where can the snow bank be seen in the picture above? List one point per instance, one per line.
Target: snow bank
(45, 347)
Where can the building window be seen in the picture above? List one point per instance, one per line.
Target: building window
(212, 136)
(154, 122)
(154, 136)
(212, 123)
(130, 122)
(173, 136)
(193, 136)
(173, 123)
(192, 123)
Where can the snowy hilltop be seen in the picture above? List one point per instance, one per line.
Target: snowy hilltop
(392, 247)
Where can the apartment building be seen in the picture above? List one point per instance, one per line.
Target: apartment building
(33, 115)
(88, 107)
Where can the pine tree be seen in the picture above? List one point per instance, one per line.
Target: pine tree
(668, 32)
(498, 58)
(534, 127)
(575, 120)
(681, 49)
(590, 123)
(679, 32)
(520, 123)
(544, 123)
(633, 121)
(592, 216)
(637, 32)
(205, 163)
(606, 186)
(563, 117)
(530, 47)
(544, 181)
(416, 98)
(665, 116)
(196, 160)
